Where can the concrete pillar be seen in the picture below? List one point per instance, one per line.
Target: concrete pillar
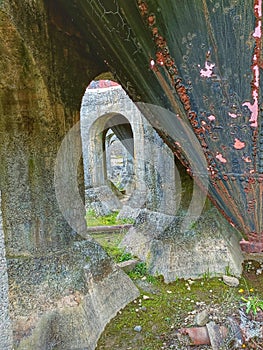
(5, 323)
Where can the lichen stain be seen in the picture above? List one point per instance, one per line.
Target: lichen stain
(239, 144)
(208, 70)
(221, 158)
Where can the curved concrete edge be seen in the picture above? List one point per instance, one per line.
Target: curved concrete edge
(79, 328)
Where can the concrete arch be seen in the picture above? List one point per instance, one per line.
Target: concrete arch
(104, 108)
(94, 152)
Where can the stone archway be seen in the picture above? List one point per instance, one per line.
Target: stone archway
(109, 107)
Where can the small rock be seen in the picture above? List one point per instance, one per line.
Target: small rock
(202, 318)
(129, 265)
(145, 297)
(231, 281)
(137, 328)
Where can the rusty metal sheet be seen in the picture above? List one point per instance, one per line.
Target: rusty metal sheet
(201, 60)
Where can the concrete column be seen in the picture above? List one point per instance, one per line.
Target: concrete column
(5, 323)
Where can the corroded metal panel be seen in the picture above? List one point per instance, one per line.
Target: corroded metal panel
(215, 70)
(202, 60)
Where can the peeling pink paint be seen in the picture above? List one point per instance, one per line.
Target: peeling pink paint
(211, 117)
(208, 70)
(247, 159)
(256, 72)
(239, 144)
(232, 115)
(253, 107)
(221, 158)
(258, 32)
(258, 8)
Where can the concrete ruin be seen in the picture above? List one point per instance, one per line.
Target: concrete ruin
(158, 202)
(154, 177)
(169, 54)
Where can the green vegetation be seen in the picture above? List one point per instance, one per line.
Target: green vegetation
(253, 303)
(141, 272)
(118, 254)
(110, 242)
(163, 308)
(107, 220)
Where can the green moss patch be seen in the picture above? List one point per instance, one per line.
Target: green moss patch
(163, 308)
(107, 220)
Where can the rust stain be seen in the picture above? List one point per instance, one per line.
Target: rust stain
(163, 66)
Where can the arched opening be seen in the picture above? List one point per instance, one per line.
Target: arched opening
(113, 144)
(119, 163)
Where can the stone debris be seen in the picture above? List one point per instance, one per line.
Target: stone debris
(129, 265)
(202, 318)
(231, 281)
(137, 328)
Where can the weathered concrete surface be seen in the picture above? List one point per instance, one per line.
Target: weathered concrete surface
(208, 247)
(6, 337)
(64, 300)
(37, 109)
(44, 66)
(102, 200)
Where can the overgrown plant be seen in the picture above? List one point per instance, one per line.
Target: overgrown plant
(141, 271)
(252, 303)
(118, 254)
(106, 220)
